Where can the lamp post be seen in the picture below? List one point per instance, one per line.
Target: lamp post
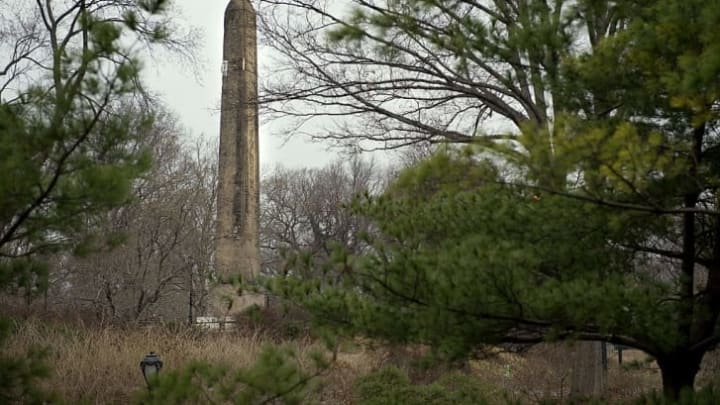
(150, 367)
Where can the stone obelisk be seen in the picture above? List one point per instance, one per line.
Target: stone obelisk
(238, 199)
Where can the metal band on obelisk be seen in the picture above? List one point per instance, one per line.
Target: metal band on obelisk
(238, 200)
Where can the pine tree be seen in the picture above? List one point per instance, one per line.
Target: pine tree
(596, 220)
(68, 139)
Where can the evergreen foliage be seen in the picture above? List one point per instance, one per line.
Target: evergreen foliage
(68, 142)
(391, 386)
(20, 377)
(278, 376)
(598, 220)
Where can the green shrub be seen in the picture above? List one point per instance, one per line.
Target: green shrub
(709, 395)
(20, 376)
(392, 386)
(278, 376)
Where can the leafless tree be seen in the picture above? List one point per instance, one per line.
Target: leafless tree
(396, 73)
(159, 259)
(305, 212)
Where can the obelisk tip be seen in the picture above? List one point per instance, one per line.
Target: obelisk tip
(240, 4)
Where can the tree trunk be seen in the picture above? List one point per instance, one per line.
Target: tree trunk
(678, 373)
(588, 376)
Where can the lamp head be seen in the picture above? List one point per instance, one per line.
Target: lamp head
(150, 365)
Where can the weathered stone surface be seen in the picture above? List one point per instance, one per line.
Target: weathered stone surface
(238, 252)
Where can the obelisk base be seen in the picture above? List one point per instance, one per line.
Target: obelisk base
(226, 302)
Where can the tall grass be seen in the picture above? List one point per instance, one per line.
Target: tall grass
(101, 366)
(96, 365)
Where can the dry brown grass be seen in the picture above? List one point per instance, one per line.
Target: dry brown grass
(101, 365)
(544, 372)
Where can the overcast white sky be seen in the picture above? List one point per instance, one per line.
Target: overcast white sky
(196, 100)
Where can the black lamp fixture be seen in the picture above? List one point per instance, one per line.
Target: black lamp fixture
(150, 367)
